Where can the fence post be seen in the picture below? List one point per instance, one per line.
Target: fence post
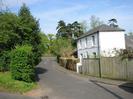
(126, 68)
(100, 68)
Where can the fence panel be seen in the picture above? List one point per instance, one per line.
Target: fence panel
(111, 67)
(106, 67)
(130, 69)
(119, 68)
(91, 67)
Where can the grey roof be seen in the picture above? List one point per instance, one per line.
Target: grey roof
(101, 28)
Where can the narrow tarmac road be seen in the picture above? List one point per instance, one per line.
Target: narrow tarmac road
(56, 84)
(60, 85)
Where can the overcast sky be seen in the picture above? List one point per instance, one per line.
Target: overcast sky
(49, 12)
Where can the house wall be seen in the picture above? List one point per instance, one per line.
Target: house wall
(111, 40)
(87, 46)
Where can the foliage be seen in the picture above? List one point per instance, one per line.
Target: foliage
(69, 63)
(71, 30)
(11, 85)
(62, 47)
(8, 30)
(44, 43)
(29, 27)
(56, 46)
(22, 63)
(95, 22)
(37, 53)
(77, 29)
(125, 53)
(61, 29)
(4, 61)
(22, 30)
(29, 32)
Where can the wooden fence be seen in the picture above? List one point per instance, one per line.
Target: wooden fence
(108, 67)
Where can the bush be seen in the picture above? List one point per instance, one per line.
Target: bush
(22, 63)
(69, 63)
(36, 55)
(4, 61)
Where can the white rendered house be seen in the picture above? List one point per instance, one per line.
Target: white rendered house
(101, 40)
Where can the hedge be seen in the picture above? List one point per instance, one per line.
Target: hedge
(22, 63)
(68, 63)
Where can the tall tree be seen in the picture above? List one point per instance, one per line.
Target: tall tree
(71, 30)
(29, 31)
(8, 30)
(77, 29)
(95, 21)
(61, 29)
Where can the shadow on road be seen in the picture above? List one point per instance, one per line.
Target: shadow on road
(107, 90)
(39, 71)
(127, 87)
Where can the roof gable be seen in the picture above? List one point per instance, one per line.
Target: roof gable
(102, 28)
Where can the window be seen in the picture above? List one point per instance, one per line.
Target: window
(94, 53)
(86, 40)
(93, 40)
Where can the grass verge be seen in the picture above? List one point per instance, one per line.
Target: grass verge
(7, 84)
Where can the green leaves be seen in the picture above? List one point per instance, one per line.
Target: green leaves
(22, 65)
(4, 61)
(29, 27)
(8, 30)
(70, 30)
(22, 30)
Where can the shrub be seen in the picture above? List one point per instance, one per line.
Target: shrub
(22, 63)
(4, 61)
(69, 63)
(36, 55)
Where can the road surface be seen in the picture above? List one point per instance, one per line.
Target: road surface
(56, 84)
(61, 85)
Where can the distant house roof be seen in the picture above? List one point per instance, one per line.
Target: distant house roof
(102, 28)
